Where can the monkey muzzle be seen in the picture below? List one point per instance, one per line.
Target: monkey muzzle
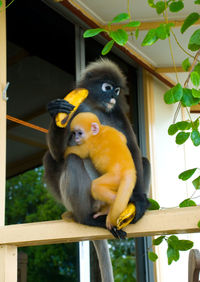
(110, 105)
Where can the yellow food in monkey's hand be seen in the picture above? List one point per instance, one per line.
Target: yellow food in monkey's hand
(126, 216)
(76, 97)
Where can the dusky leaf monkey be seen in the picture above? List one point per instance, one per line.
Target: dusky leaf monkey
(106, 147)
(69, 179)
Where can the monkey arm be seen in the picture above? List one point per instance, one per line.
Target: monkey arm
(79, 150)
(57, 138)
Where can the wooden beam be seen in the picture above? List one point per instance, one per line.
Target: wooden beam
(8, 263)
(146, 25)
(27, 118)
(169, 221)
(2, 111)
(195, 109)
(169, 69)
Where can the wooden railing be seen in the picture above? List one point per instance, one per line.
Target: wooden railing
(169, 221)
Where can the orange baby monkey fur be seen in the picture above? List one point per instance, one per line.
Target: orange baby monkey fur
(107, 149)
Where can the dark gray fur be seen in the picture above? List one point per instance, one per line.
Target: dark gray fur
(70, 180)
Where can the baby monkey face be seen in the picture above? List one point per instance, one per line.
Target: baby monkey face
(79, 135)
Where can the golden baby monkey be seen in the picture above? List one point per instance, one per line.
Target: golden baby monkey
(107, 149)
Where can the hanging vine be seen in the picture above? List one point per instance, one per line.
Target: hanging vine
(183, 96)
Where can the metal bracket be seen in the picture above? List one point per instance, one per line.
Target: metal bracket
(4, 94)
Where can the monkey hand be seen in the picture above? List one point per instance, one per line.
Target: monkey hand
(59, 106)
(119, 234)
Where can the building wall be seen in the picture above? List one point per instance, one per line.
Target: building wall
(168, 160)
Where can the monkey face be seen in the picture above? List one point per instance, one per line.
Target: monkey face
(79, 135)
(104, 93)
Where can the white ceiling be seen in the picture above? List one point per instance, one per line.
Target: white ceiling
(158, 54)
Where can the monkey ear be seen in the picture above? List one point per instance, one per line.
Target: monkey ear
(95, 128)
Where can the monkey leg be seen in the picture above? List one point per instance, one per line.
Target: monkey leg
(104, 188)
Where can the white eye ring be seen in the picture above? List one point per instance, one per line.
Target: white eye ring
(117, 91)
(106, 87)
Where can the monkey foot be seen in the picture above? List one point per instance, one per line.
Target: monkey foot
(126, 216)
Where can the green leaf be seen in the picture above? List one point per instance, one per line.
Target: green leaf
(137, 33)
(119, 18)
(172, 241)
(187, 203)
(162, 32)
(172, 129)
(197, 68)
(183, 125)
(176, 6)
(195, 124)
(1, 3)
(152, 256)
(158, 240)
(186, 64)
(174, 94)
(198, 224)
(184, 245)
(196, 183)
(150, 38)
(133, 24)
(160, 7)
(172, 254)
(188, 100)
(190, 20)
(197, 2)
(107, 47)
(153, 205)
(120, 36)
(151, 3)
(195, 93)
(181, 137)
(185, 175)
(194, 42)
(195, 137)
(195, 78)
(92, 32)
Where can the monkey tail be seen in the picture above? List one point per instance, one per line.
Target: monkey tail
(101, 247)
(124, 193)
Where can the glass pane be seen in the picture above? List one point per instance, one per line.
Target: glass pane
(41, 67)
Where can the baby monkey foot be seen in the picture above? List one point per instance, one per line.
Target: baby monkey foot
(103, 211)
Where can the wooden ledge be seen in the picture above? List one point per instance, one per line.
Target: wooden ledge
(169, 221)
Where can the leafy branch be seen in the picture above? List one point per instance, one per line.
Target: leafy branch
(119, 36)
(184, 96)
(174, 246)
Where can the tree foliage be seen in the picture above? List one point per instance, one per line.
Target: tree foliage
(27, 200)
(123, 260)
